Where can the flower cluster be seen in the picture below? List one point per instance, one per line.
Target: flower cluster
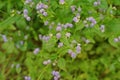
(25, 14)
(27, 78)
(77, 11)
(65, 26)
(90, 21)
(28, 1)
(72, 53)
(60, 44)
(58, 35)
(68, 25)
(96, 3)
(74, 8)
(117, 39)
(78, 49)
(61, 1)
(41, 8)
(76, 18)
(44, 38)
(56, 75)
(46, 62)
(68, 34)
(59, 27)
(4, 38)
(36, 50)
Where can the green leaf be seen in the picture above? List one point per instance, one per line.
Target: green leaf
(18, 70)
(112, 27)
(9, 21)
(9, 47)
(50, 44)
(104, 4)
(111, 41)
(79, 26)
(62, 64)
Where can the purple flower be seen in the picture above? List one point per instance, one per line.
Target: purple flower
(46, 23)
(28, 18)
(68, 25)
(56, 78)
(73, 55)
(102, 28)
(25, 11)
(59, 28)
(39, 6)
(68, 35)
(116, 40)
(18, 65)
(42, 11)
(87, 41)
(4, 38)
(58, 35)
(56, 75)
(36, 50)
(76, 19)
(70, 51)
(73, 8)
(25, 14)
(45, 14)
(79, 9)
(45, 38)
(96, 3)
(60, 44)
(78, 49)
(47, 62)
(28, 1)
(27, 78)
(45, 6)
(91, 20)
(61, 1)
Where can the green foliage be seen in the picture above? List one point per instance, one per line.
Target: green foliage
(79, 39)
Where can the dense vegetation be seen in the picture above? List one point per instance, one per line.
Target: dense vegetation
(59, 39)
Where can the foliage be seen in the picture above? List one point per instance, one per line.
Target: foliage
(59, 39)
